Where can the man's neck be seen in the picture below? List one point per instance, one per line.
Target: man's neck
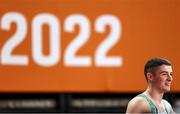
(154, 95)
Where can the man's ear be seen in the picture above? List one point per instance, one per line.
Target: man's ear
(150, 76)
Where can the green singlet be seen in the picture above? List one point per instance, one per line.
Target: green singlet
(154, 110)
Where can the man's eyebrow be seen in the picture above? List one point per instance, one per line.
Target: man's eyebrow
(164, 72)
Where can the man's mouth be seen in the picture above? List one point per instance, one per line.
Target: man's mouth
(168, 84)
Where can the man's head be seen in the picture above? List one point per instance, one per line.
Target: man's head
(158, 73)
(153, 63)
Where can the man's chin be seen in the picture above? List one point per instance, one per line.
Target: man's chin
(167, 90)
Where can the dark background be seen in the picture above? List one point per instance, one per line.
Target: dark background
(73, 102)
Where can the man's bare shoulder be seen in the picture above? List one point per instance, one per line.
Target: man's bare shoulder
(138, 105)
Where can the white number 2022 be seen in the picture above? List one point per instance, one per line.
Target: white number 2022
(70, 57)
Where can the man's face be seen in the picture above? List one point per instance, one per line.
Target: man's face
(162, 78)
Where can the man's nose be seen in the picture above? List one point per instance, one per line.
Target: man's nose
(170, 77)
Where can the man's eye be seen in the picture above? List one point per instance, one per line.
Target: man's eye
(165, 74)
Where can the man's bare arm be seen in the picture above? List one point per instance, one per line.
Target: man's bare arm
(138, 105)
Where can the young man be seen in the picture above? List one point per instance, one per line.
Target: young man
(158, 73)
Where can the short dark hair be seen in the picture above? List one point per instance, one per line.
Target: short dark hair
(153, 63)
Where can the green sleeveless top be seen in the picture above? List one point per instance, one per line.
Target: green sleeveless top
(154, 109)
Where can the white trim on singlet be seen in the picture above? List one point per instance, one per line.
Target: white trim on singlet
(166, 106)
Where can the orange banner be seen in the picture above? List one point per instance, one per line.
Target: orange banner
(85, 45)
